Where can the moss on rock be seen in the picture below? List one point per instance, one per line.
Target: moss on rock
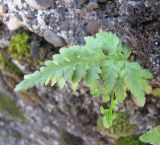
(156, 92)
(29, 50)
(8, 106)
(67, 138)
(129, 140)
(121, 127)
(19, 47)
(7, 66)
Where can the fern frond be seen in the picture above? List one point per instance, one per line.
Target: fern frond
(109, 75)
(72, 63)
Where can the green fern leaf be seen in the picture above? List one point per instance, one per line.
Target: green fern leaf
(111, 71)
(136, 80)
(71, 64)
(102, 63)
(120, 90)
(109, 41)
(152, 136)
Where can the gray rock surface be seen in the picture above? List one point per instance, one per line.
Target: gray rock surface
(92, 5)
(39, 4)
(13, 23)
(92, 28)
(53, 38)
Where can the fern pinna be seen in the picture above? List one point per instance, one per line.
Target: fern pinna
(103, 65)
(152, 136)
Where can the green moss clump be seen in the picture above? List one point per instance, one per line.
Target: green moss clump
(156, 92)
(8, 106)
(129, 140)
(19, 47)
(7, 66)
(121, 127)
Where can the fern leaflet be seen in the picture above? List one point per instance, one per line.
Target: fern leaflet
(109, 75)
(152, 136)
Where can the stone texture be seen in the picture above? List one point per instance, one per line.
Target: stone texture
(18, 3)
(92, 5)
(13, 23)
(39, 4)
(92, 27)
(53, 38)
(103, 1)
(152, 109)
(1, 11)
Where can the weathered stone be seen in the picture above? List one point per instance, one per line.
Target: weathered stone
(102, 1)
(18, 3)
(151, 3)
(13, 23)
(92, 27)
(92, 5)
(152, 109)
(39, 4)
(82, 1)
(4, 42)
(53, 38)
(1, 11)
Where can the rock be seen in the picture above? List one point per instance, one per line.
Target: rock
(152, 109)
(102, 1)
(92, 5)
(39, 4)
(82, 1)
(1, 11)
(151, 3)
(13, 23)
(18, 3)
(53, 38)
(65, 25)
(4, 43)
(92, 27)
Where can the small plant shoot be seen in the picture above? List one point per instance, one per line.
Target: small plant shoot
(103, 64)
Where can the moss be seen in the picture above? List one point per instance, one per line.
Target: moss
(156, 92)
(8, 106)
(67, 138)
(23, 49)
(121, 127)
(7, 66)
(129, 140)
(19, 47)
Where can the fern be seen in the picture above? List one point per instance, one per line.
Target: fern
(152, 136)
(103, 65)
